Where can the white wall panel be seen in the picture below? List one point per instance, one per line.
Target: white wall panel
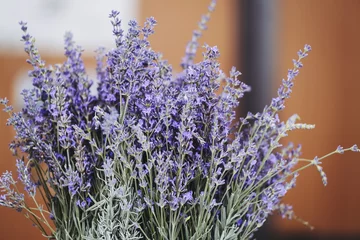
(48, 20)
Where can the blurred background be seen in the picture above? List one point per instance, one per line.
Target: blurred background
(260, 38)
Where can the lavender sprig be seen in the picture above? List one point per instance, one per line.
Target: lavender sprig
(152, 155)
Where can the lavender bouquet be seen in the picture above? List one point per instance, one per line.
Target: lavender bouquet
(153, 155)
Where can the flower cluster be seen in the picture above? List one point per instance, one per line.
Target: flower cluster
(153, 155)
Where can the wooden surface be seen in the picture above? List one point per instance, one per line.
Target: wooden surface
(177, 20)
(326, 93)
